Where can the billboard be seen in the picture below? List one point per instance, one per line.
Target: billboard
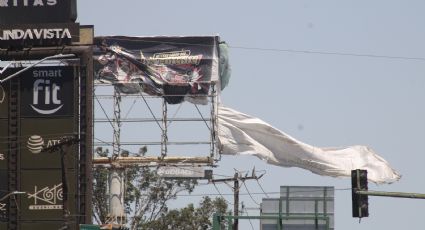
(4, 102)
(177, 68)
(39, 133)
(3, 192)
(37, 11)
(44, 199)
(47, 92)
(3, 145)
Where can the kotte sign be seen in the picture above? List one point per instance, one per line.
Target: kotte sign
(48, 91)
(46, 198)
(37, 11)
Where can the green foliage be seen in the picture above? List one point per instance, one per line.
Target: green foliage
(146, 194)
(189, 217)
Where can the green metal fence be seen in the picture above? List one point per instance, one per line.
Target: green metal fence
(220, 222)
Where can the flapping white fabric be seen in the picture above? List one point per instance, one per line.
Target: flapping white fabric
(239, 133)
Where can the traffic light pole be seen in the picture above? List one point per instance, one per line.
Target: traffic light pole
(392, 194)
(360, 193)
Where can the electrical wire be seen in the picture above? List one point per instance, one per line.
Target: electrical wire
(261, 187)
(129, 110)
(329, 53)
(219, 193)
(150, 110)
(231, 194)
(104, 112)
(202, 117)
(252, 198)
(175, 114)
(284, 50)
(246, 213)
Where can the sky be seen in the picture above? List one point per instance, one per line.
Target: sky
(329, 73)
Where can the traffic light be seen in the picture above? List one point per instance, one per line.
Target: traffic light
(360, 202)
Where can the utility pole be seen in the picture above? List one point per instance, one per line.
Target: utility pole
(236, 199)
(65, 142)
(236, 187)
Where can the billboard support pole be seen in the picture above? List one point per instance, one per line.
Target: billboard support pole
(116, 177)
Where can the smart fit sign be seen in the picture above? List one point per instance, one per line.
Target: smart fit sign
(28, 23)
(47, 92)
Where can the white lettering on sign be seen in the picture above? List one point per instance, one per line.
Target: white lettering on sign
(27, 3)
(181, 172)
(2, 207)
(46, 90)
(35, 34)
(2, 157)
(48, 196)
(36, 143)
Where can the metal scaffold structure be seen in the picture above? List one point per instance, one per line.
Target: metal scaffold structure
(139, 122)
(109, 109)
(147, 153)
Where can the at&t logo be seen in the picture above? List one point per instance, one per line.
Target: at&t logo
(45, 91)
(36, 143)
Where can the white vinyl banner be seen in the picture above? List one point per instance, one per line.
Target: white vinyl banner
(239, 133)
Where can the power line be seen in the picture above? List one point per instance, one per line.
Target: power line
(252, 198)
(104, 112)
(231, 194)
(261, 187)
(222, 195)
(329, 53)
(300, 51)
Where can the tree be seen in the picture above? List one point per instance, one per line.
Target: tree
(189, 217)
(146, 194)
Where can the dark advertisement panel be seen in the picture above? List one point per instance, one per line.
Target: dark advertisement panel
(37, 11)
(37, 134)
(3, 192)
(3, 145)
(30, 35)
(47, 92)
(45, 196)
(4, 102)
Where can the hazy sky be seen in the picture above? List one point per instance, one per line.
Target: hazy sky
(321, 99)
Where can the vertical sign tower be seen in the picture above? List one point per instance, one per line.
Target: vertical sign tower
(40, 107)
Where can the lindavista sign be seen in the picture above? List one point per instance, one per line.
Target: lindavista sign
(25, 35)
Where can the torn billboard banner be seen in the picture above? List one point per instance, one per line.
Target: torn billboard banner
(178, 68)
(242, 134)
